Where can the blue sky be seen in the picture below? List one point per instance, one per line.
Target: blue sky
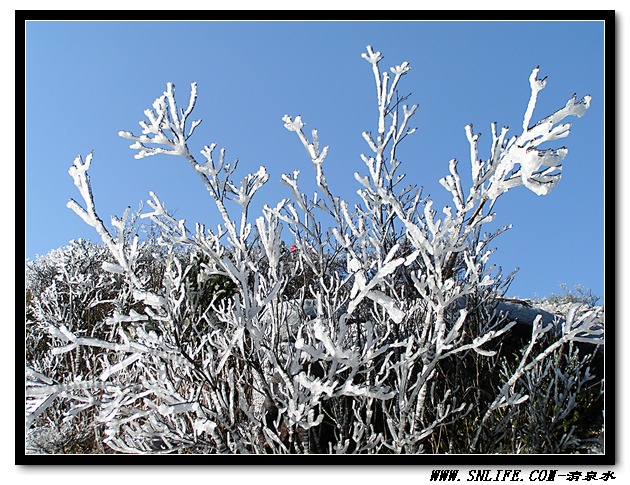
(85, 81)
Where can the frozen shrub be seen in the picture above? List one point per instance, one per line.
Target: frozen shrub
(563, 411)
(579, 294)
(68, 289)
(373, 334)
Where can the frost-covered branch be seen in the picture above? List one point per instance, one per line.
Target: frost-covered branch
(166, 126)
(577, 327)
(517, 161)
(125, 258)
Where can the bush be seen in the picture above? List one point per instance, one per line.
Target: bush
(377, 334)
(579, 295)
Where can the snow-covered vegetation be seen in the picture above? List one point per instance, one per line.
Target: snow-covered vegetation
(380, 327)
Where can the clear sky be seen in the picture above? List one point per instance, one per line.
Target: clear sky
(85, 81)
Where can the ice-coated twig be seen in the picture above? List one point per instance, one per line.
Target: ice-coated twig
(166, 126)
(518, 161)
(78, 172)
(576, 328)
